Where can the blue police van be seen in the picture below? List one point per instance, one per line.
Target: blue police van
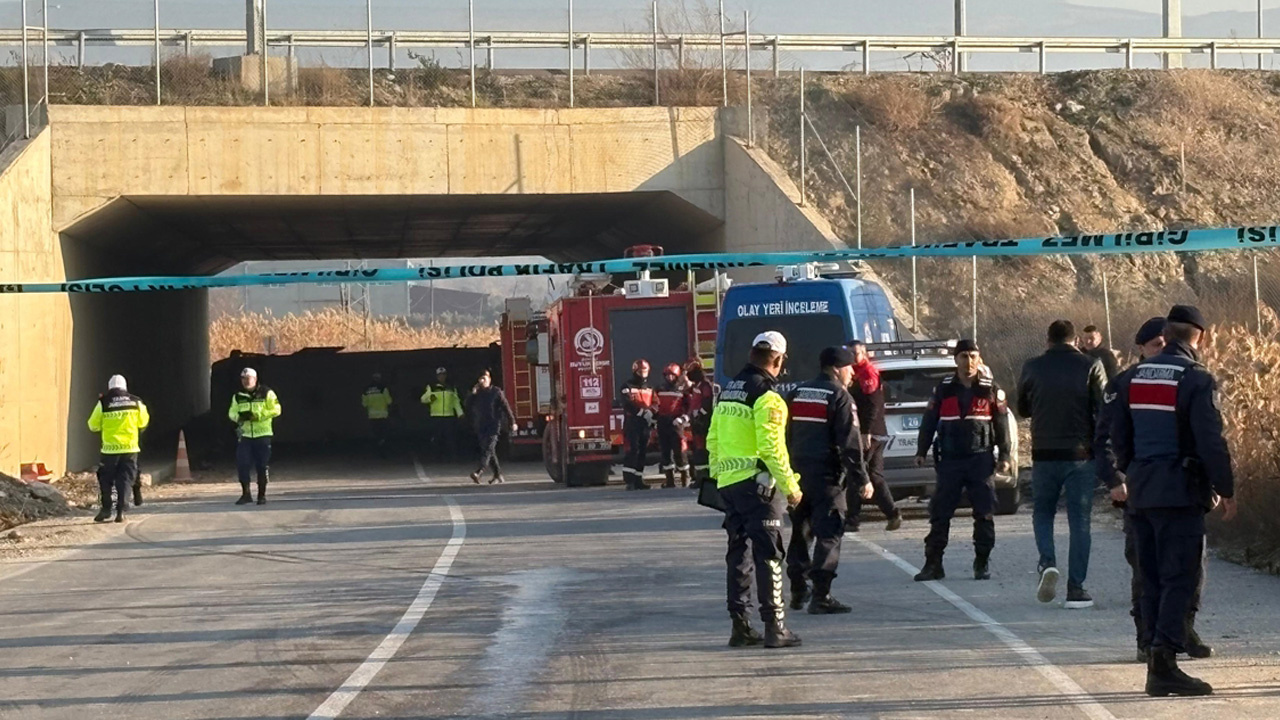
(811, 309)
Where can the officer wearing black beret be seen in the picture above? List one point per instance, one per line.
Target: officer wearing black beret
(1166, 433)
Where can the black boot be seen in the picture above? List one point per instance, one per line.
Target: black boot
(1143, 656)
(475, 477)
(776, 635)
(743, 634)
(137, 494)
(981, 568)
(245, 497)
(1165, 678)
(1196, 649)
(684, 478)
(894, 523)
(262, 493)
(671, 479)
(799, 595)
(103, 515)
(826, 604)
(932, 569)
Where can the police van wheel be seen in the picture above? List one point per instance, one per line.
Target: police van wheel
(1008, 500)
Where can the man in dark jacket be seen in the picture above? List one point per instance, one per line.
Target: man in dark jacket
(868, 397)
(490, 414)
(1092, 345)
(1061, 391)
(826, 449)
(1166, 432)
(967, 417)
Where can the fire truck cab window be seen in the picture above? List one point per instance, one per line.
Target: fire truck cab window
(806, 336)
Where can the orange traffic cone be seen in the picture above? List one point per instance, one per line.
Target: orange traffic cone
(182, 469)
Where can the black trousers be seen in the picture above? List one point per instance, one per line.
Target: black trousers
(442, 437)
(882, 496)
(1135, 581)
(819, 517)
(253, 454)
(118, 472)
(380, 428)
(970, 475)
(635, 432)
(753, 521)
(699, 458)
(1170, 547)
(671, 446)
(488, 441)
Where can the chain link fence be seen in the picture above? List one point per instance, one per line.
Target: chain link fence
(24, 78)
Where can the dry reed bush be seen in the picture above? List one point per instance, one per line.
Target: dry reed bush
(894, 104)
(331, 87)
(1247, 367)
(987, 117)
(334, 328)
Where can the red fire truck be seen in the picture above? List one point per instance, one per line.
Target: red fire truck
(564, 367)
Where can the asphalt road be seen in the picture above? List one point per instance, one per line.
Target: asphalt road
(371, 591)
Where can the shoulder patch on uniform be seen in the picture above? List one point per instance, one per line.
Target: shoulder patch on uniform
(777, 415)
(1000, 396)
(1108, 397)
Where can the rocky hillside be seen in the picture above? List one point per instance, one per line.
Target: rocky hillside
(1009, 156)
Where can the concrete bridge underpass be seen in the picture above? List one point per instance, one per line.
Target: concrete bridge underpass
(126, 191)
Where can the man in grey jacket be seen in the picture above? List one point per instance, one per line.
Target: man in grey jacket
(1061, 391)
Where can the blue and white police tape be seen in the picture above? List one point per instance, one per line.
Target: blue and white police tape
(1239, 238)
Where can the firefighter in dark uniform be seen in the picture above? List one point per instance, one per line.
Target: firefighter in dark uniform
(868, 396)
(1166, 432)
(376, 400)
(120, 418)
(966, 416)
(699, 401)
(825, 446)
(1150, 342)
(747, 444)
(638, 405)
(670, 414)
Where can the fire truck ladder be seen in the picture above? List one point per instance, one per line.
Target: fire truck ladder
(706, 315)
(523, 375)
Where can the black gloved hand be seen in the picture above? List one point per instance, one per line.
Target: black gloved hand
(246, 415)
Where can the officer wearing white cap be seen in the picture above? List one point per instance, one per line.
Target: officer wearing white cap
(252, 410)
(747, 444)
(1166, 432)
(120, 417)
(444, 408)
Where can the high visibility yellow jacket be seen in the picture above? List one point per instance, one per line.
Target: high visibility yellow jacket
(121, 418)
(377, 402)
(442, 401)
(263, 407)
(749, 433)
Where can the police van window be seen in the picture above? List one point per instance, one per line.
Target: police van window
(806, 336)
(912, 385)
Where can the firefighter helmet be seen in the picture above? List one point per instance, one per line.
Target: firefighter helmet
(694, 364)
(672, 369)
(639, 365)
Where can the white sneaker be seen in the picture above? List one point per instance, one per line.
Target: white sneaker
(1048, 588)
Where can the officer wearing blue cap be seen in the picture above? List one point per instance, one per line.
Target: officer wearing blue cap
(1166, 433)
(967, 418)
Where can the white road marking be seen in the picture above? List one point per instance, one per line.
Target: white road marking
(333, 706)
(1075, 694)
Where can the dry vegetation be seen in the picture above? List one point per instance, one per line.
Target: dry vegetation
(334, 328)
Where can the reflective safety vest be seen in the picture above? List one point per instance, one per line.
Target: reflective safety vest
(121, 418)
(749, 433)
(262, 407)
(442, 401)
(377, 402)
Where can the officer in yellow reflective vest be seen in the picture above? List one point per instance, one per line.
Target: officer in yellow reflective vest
(120, 417)
(747, 444)
(377, 405)
(444, 407)
(252, 410)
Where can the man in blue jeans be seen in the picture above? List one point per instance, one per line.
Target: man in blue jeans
(1061, 391)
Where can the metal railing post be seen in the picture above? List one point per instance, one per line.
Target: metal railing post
(866, 57)
(724, 62)
(657, 93)
(746, 45)
(1128, 55)
(803, 145)
(570, 53)
(264, 59)
(26, 78)
(680, 53)
(156, 27)
(471, 43)
(368, 11)
(857, 142)
(777, 60)
(44, 42)
(391, 52)
(915, 286)
(1213, 55)
(1044, 58)
(186, 43)
(80, 48)
(586, 54)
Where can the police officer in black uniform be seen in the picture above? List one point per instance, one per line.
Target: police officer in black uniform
(967, 416)
(1166, 432)
(825, 445)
